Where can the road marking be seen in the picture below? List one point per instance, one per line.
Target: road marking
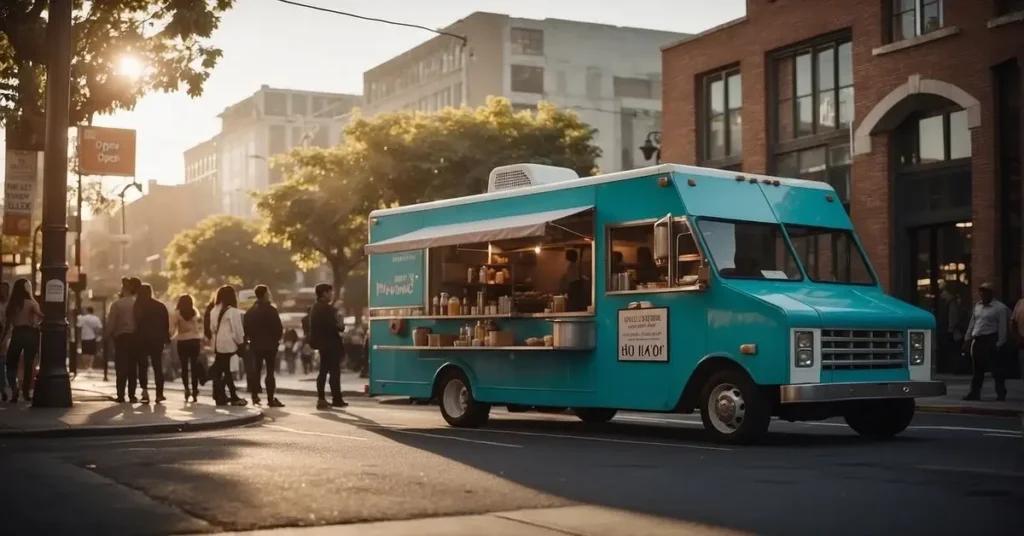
(601, 439)
(147, 449)
(976, 470)
(305, 432)
(655, 419)
(456, 438)
(1010, 435)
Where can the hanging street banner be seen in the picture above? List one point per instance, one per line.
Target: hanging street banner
(21, 181)
(106, 151)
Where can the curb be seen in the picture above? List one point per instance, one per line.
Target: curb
(968, 410)
(141, 429)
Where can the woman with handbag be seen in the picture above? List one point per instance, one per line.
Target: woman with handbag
(228, 340)
(186, 335)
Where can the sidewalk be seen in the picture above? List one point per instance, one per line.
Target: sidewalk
(297, 385)
(958, 386)
(96, 414)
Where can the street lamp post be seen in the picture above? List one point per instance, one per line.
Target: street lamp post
(124, 219)
(652, 147)
(53, 386)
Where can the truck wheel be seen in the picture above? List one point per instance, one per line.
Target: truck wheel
(458, 407)
(595, 415)
(881, 419)
(733, 409)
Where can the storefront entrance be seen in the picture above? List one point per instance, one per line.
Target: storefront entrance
(940, 271)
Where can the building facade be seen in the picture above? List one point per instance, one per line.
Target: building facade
(911, 109)
(150, 223)
(271, 121)
(610, 75)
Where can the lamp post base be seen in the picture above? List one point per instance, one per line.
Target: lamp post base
(52, 391)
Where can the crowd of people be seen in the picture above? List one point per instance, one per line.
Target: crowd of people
(141, 328)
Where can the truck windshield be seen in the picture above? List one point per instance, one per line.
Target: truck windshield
(748, 250)
(830, 255)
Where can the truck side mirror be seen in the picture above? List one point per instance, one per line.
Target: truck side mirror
(703, 276)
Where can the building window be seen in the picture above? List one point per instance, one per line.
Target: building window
(814, 91)
(527, 42)
(300, 105)
(1005, 7)
(911, 18)
(933, 139)
(275, 104)
(723, 102)
(634, 88)
(527, 79)
(829, 164)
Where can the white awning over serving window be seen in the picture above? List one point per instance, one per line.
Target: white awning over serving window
(474, 232)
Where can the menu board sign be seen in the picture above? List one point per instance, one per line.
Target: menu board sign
(643, 335)
(397, 279)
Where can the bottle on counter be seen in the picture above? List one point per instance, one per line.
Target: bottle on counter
(442, 305)
(454, 306)
(480, 298)
(483, 275)
(470, 274)
(435, 308)
(481, 331)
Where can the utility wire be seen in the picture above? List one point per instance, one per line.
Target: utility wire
(373, 19)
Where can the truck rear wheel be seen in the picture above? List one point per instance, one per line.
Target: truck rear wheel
(733, 409)
(458, 407)
(595, 415)
(881, 419)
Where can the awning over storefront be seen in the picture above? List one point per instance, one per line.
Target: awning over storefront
(474, 232)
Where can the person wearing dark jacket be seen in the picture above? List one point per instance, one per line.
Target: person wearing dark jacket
(325, 337)
(152, 332)
(264, 329)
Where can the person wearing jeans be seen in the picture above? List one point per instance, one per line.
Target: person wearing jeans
(120, 328)
(228, 334)
(325, 336)
(185, 332)
(264, 329)
(152, 331)
(23, 315)
(986, 336)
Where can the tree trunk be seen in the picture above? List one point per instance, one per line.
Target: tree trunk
(339, 274)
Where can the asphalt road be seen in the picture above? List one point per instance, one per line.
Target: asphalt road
(948, 474)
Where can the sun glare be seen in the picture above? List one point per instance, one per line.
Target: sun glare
(130, 67)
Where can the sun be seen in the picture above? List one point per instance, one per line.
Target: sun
(130, 67)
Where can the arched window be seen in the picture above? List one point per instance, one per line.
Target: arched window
(930, 138)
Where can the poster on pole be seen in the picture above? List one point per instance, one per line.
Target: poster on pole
(21, 182)
(643, 335)
(106, 151)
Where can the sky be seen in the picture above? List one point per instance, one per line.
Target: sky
(269, 42)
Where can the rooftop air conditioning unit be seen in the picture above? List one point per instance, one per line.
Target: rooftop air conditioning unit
(527, 175)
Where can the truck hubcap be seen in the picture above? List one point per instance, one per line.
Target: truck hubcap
(726, 408)
(456, 398)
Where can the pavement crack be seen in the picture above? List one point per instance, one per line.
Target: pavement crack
(537, 525)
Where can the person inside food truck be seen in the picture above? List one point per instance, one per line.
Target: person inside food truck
(646, 270)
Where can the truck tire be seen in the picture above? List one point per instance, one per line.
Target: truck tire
(733, 409)
(595, 415)
(881, 419)
(458, 407)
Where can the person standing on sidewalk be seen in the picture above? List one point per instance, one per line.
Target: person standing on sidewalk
(185, 332)
(152, 330)
(90, 327)
(228, 339)
(986, 336)
(325, 336)
(23, 317)
(5, 338)
(264, 329)
(291, 349)
(120, 328)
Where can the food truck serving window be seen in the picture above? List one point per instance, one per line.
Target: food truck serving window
(637, 264)
(830, 255)
(747, 250)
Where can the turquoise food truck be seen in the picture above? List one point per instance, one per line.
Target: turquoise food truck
(666, 289)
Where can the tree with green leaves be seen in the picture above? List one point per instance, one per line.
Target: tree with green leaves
(222, 250)
(167, 38)
(320, 211)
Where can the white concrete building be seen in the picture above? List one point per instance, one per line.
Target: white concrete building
(610, 75)
(270, 122)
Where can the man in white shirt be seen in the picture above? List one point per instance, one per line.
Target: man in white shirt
(985, 338)
(91, 327)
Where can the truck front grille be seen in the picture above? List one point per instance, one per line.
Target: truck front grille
(855, 349)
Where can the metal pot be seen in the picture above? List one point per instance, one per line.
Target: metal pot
(573, 333)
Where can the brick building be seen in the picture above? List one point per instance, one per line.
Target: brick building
(911, 109)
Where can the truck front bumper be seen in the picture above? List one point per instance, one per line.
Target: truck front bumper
(835, 392)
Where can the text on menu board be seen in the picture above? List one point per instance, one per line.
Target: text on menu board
(397, 279)
(643, 335)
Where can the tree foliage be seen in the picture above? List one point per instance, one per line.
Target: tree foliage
(320, 211)
(222, 250)
(167, 36)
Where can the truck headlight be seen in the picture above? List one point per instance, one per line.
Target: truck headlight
(916, 348)
(803, 342)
